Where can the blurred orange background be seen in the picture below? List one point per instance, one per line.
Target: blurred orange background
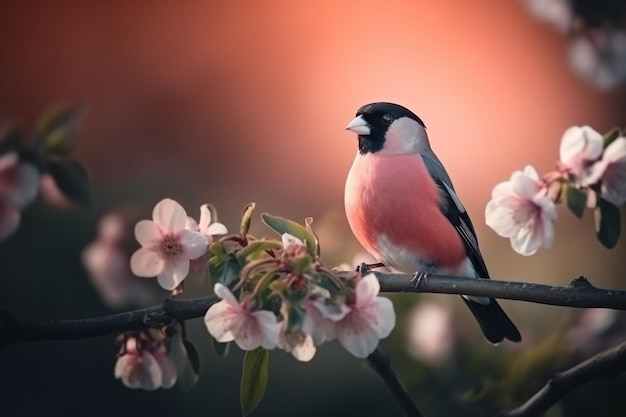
(231, 102)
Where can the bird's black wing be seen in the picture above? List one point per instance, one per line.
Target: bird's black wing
(494, 322)
(455, 212)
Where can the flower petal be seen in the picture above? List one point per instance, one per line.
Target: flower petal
(169, 215)
(194, 244)
(367, 289)
(616, 151)
(289, 240)
(25, 186)
(224, 293)
(168, 371)
(147, 233)
(268, 325)
(205, 217)
(385, 317)
(150, 375)
(218, 321)
(359, 344)
(173, 274)
(146, 263)
(305, 350)
(216, 229)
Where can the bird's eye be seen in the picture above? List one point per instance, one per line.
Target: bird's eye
(387, 119)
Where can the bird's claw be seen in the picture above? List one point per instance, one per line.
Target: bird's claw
(422, 276)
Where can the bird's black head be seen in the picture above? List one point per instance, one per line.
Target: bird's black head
(373, 120)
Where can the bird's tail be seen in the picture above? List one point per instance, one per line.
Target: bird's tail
(494, 322)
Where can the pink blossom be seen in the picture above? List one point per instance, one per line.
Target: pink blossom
(321, 319)
(107, 265)
(18, 188)
(521, 211)
(557, 13)
(228, 320)
(299, 343)
(167, 247)
(611, 171)
(370, 318)
(429, 333)
(139, 367)
(580, 146)
(18, 181)
(205, 226)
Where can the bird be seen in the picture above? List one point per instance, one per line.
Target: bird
(402, 207)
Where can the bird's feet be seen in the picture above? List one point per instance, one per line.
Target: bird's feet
(365, 268)
(422, 275)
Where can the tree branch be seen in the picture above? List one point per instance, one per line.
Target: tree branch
(579, 293)
(382, 366)
(15, 330)
(609, 363)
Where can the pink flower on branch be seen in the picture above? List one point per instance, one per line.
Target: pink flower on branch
(228, 320)
(167, 247)
(19, 183)
(611, 172)
(299, 343)
(521, 211)
(370, 319)
(580, 147)
(142, 367)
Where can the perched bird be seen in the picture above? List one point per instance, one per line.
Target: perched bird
(402, 207)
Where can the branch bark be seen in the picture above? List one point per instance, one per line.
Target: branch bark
(580, 293)
(609, 363)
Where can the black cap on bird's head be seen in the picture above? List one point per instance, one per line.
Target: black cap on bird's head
(372, 122)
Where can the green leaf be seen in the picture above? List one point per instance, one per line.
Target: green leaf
(576, 200)
(611, 136)
(55, 131)
(246, 218)
(608, 223)
(282, 225)
(192, 353)
(256, 247)
(221, 348)
(180, 353)
(254, 379)
(225, 270)
(70, 177)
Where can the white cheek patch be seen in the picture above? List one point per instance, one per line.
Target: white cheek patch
(404, 136)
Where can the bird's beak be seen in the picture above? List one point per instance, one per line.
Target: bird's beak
(359, 126)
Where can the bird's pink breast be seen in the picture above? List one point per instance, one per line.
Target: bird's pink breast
(394, 198)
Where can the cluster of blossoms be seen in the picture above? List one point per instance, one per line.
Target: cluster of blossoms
(273, 294)
(597, 51)
(19, 184)
(296, 305)
(144, 363)
(592, 168)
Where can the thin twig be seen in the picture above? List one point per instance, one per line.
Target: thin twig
(382, 366)
(609, 363)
